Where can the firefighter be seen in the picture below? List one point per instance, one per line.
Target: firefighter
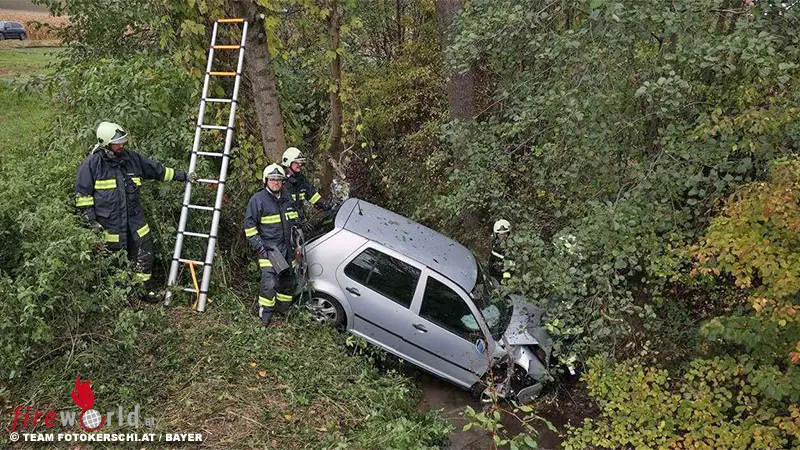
(268, 223)
(107, 186)
(298, 185)
(498, 266)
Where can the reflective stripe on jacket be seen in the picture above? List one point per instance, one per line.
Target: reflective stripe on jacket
(301, 189)
(108, 191)
(268, 221)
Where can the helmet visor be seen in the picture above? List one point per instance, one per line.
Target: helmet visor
(276, 175)
(120, 137)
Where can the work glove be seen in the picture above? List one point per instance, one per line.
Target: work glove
(181, 175)
(307, 227)
(95, 226)
(324, 205)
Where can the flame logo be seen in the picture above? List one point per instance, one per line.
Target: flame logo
(82, 395)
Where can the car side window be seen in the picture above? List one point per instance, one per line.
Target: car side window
(389, 276)
(444, 307)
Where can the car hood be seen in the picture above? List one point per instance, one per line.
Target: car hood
(525, 326)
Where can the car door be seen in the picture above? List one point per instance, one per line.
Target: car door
(13, 30)
(380, 286)
(447, 335)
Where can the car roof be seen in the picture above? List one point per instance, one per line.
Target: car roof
(410, 238)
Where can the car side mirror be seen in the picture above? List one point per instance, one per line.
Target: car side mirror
(480, 346)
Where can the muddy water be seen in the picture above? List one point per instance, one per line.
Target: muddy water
(441, 395)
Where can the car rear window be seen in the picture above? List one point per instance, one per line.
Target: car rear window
(382, 273)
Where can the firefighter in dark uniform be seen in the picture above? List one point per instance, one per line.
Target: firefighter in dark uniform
(107, 188)
(268, 223)
(499, 268)
(298, 185)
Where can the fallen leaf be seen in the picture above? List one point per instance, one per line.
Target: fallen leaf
(288, 417)
(262, 373)
(253, 364)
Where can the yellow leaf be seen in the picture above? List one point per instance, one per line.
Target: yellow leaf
(252, 364)
(288, 417)
(262, 373)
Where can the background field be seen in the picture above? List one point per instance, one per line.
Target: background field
(23, 5)
(40, 24)
(25, 61)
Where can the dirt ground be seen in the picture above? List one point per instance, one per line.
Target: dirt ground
(561, 407)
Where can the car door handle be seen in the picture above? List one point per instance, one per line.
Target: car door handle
(420, 327)
(353, 291)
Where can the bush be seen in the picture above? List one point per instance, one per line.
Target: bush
(743, 392)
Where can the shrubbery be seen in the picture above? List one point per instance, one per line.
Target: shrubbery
(743, 391)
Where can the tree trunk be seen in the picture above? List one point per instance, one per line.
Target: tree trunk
(399, 9)
(262, 81)
(334, 23)
(460, 86)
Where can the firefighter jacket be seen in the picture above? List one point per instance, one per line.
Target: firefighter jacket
(108, 191)
(301, 189)
(268, 223)
(498, 266)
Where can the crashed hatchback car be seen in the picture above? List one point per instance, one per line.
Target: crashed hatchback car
(423, 297)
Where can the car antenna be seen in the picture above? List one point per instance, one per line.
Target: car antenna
(360, 213)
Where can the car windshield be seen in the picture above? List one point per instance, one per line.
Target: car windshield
(493, 305)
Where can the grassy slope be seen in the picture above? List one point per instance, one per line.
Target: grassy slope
(242, 386)
(16, 62)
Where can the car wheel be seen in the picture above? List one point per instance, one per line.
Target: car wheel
(326, 310)
(2, 36)
(23, 36)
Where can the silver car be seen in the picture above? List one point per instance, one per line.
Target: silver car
(423, 297)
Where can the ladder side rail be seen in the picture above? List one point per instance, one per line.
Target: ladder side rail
(187, 195)
(206, 281)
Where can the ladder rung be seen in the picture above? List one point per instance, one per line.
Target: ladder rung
(213, 127)
(222, 74)
(204, 208)
(218, 100)
(207, 181)
(197, 263)
(217, 154)
(200, 235)
(230, 20)
(227, 47)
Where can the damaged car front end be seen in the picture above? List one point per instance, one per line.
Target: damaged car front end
(520, 360)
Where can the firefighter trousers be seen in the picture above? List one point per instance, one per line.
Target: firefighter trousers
(275, 292)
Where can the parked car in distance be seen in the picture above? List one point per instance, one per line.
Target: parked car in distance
(423, 297)
(12, 30)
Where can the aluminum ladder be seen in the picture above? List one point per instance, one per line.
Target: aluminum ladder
(216, 210)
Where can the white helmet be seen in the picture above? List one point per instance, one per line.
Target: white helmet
(111, 133)
(291, 155)
(502, 226)
(273, 172)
